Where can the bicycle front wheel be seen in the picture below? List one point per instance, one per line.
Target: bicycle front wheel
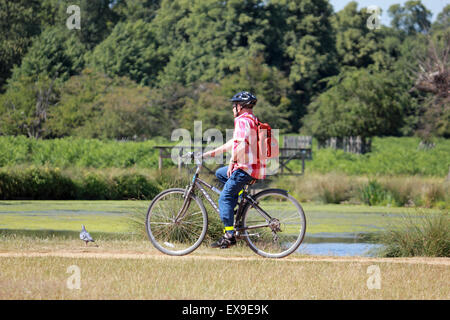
(176, 236)
(281, 236)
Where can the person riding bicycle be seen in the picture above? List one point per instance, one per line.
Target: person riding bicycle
(243, 166)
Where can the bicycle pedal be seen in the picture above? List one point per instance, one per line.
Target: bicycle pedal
(254, 234)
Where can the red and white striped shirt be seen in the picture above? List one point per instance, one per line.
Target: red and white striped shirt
(245, 136)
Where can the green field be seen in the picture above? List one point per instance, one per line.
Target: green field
(114, 216)
(389, 156)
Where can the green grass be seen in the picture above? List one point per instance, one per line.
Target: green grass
(114, 216)
(389, 156)
(417, 234)
(99, 216)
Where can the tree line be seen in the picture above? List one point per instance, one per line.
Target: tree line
(137, 69)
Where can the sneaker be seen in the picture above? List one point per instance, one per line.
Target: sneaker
(226, 241)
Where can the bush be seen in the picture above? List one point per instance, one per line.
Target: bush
(335, 189)
(45, 183)
(135, 186)
(96, 187)
(36, 184)
(417, 235)
(50, 184)
(375, 194)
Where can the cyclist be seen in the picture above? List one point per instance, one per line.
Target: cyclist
(243, 166)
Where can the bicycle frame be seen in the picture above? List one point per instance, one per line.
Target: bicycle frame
(246, 199)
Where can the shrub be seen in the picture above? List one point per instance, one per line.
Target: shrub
(135, 186)
(50, 184)
(96, 187)
(417, 235)
(45, 183)
(374, 194)
(9, 185)
(335, 189)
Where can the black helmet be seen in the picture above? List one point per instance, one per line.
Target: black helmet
(246, 98)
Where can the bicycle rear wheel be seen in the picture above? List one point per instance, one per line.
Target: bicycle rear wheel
(288, 224)
(176, 237)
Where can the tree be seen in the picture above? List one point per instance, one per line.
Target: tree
(207, 40)
(442, 21)
(433, 77)
(271, 87)
(308, 51)
(130, 50)
(133, 10)
(93, 105)
(358, 103)
(25, 105)
(356, 45)
(56, 53)
(413, 17)
(19, 23)
(97, 19)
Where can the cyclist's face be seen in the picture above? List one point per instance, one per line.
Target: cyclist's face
(236, 109)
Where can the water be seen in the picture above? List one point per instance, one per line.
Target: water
(338, 249)
(337, 244)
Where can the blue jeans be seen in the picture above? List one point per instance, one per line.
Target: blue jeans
(230, 193)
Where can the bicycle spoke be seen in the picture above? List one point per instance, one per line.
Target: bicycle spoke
(288, 225)
(171, 235)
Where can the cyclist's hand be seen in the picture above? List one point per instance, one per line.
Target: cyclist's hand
(230, 170)
(197, 155)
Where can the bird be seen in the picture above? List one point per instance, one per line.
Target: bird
(85, 236)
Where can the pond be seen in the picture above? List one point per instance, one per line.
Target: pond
(337, 244)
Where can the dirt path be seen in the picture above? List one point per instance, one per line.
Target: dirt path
(152, 255)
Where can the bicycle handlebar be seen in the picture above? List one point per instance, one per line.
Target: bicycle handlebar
(197, 157)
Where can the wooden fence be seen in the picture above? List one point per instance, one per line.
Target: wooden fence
(348, 144)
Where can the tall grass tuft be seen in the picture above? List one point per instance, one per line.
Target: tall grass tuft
(373, 193)
(418, 234)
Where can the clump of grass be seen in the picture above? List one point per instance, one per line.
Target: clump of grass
(418, 234)
(335, 188)
(373, 193)
(325, 188)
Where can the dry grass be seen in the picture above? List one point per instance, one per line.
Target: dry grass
(341, 188)
(134, 270)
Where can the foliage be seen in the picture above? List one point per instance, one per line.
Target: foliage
(24, 107)
(389, 156)
(358, 103)
(130, 50)
(418, 234)
(96, 19)
(43, 183)
(94, 105)
(411, 18)
(56, 53)
(18, 25)
(133, 10)
(189, 57)
(76, 152)
(356, 45)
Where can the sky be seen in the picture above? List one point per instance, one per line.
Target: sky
(435, 6)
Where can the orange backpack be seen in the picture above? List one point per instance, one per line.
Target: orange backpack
(267, 144)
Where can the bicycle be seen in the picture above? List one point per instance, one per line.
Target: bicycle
(177, 221)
